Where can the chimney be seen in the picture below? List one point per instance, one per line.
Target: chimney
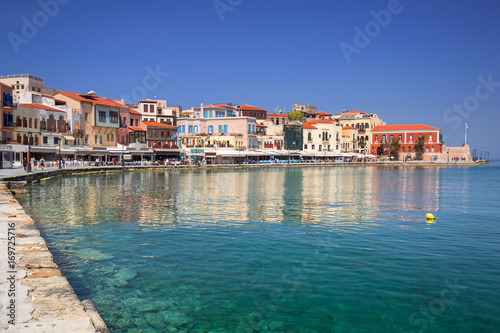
(91, 93)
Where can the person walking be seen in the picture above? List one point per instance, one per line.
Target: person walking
(25, 164)
(42, 163)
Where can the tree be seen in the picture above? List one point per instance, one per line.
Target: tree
(295, 115)
(394, 149)
(419, 148)
(386, 146)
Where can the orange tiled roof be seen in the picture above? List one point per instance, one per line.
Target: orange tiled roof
(137, 129)
(215, 106)
(152, 123)
(308, 126)
(5, 85)
(91, 99)
(324, 121)
(251, 108)
(348, 127)
(41, 107)
(321, 113)
(260, 125)
(410, 127)
(134, 112)
(224, 106)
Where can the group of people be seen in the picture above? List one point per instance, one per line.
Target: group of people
(35, 164)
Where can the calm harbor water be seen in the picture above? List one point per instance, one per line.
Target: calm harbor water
(312, 249)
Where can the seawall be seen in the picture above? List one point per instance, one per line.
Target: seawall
(35, 296)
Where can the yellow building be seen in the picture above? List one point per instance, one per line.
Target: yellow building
(363, 122)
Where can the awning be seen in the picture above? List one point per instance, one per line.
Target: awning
(43, 149)
(67, 137)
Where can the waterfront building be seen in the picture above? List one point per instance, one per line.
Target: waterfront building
(322, 137)
(277, 119)
(130, 130)
(350, 139)
(363, 122)
(246, 110)
(100, 117)
(25, 82)
(41, 125)
(7, 107)
(407, 136)
(157, 111)
(216, 126)
(159, 138)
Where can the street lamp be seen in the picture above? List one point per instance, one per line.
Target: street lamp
(59, 147)
(29, 151)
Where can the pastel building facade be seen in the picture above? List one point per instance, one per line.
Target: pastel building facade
(407, 136)
(101, 117)
(8, 124)
(25, 82)
(217, 126)
(363, 122)
(322, 135)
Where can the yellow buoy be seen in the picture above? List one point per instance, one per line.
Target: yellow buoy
(429, 216)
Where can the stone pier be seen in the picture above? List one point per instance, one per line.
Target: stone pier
(35, 296)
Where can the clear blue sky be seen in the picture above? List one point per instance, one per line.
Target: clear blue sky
(424, 58)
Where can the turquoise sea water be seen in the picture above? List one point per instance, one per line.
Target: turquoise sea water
(313, 249)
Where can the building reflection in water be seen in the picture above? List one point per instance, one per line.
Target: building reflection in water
(348, 198)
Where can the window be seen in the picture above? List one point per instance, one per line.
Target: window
(86, 116)
(376, 138)
(100, 139)
(305, 147)
(30, 123)
(402, 149)
(399, 138)
(383, 138)
(25, 122)
(113, 117)
(210, 114)
(411, 138)
(56, 140)
(427, 149)
(432, 149)
(210, 129)
(36, 123)
(136, 122)
(152, 108)
(309, 136)
(95, 139)
(391, 138)
(409, 149)
(225, 128)
(253, 129)
(312, 146)
(220, 129)
(430, 137)
(102, 116)
(338, 136)
(107, 137)
(112, 137)
(86, 139)
(45, 140)
(145, 108)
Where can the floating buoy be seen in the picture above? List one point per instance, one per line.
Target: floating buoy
(429, 216)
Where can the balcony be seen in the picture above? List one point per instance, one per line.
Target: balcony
(10, 124)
